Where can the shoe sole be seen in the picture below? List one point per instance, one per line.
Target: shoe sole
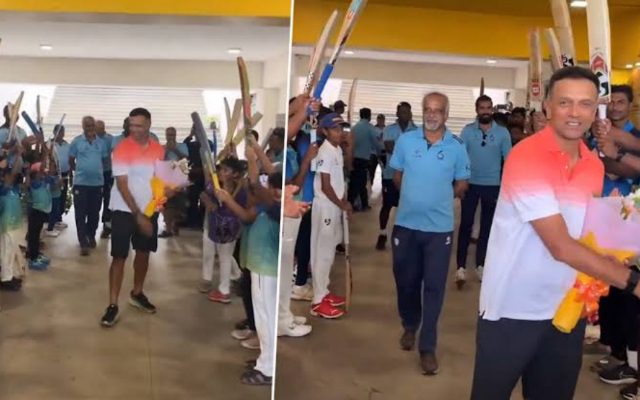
(111, 324)
(249, 347)
(431, 373)
(140, 307)
(219, 301)
(624, 381)
(317, 314)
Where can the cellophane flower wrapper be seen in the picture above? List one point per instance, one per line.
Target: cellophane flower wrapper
(610, 228)
(172, 174)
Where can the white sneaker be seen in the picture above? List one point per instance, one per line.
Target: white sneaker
(460, 278)
(294, 330)
(479, 272)
(304, 292)
(299, 320)
(252, 342)
(241, 334)
(52, 233)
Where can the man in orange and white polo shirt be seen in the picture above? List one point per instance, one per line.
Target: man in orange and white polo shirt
(133, 161)
(533, 256)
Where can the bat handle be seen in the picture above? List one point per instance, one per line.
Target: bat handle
(322, 82)
(602, 114)
(216, 182)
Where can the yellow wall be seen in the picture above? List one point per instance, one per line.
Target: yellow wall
(227, 8)
(387, 27)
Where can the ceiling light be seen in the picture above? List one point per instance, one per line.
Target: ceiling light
(348, 52)
(578, 4)
(46, 47)
(629, 66)
(638, 64)
(490, 61)
(234, 50)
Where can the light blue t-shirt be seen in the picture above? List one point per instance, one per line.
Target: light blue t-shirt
(391, 133)
(486, 160)
(62, 149)
(20, 134)
(365, 140)
(89, 160)
(172, 156)
(108, 142)
(428, 173)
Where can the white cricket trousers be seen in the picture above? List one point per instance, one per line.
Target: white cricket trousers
(326, 234)
(11, 259)
(289, 236)
(228, 266)
(264, 293)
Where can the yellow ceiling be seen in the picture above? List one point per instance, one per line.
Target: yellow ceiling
(483, 28)
(244, 8)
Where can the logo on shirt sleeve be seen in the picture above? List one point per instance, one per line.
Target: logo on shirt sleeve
(320, 162)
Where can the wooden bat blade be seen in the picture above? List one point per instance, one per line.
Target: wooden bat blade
(233, 124)
(241, 134)
(13, 116)
(246, 97)
(227, 114)
(535, 67)
(352, 100)
(554, 49)
(562, 22)
(482, 86)
(318, 54)
(600, 46)
(38, 113)
(208, 159)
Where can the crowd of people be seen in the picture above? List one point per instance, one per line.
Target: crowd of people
(108, 179)
(531, 172)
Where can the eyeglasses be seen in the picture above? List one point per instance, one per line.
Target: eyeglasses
(484, 139)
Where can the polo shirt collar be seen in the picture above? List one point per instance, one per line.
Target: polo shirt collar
(550, 142)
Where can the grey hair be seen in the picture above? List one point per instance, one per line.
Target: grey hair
(439, 94)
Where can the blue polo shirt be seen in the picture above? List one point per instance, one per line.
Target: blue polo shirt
(428, 173)
(89, 160)
(41, 194)
(172, 156)
(391, 133)
(486, 161)
(365, 140)
(62, 149)
(108, 142)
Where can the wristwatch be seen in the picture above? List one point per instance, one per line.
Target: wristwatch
(621, 153)
(632, 282)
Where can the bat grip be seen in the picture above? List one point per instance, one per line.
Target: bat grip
(322, 82)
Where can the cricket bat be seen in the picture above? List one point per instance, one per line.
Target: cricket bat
(208, 159)
(535, 70)
(14, 112)
(240, 135)
(232, 119)
(600, 50)
(318, 53)
(246, 100)
(349, 22)
(352, 99)
(482, 86)
(562, 23)
(347, 261)
(554, 49)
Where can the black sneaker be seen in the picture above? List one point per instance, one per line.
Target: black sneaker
(92, 242)
(630, 392)
(619, 375)
(11, 286)
(110, 316)
(106, 232)
(244, 324)
(382, 242)
(140, 301)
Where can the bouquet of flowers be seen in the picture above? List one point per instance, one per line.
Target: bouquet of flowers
(611, 228)
(167, 174)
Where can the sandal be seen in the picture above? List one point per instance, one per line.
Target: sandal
(256, 378)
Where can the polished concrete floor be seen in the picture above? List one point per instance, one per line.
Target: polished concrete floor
(358, 356)
(52, 346)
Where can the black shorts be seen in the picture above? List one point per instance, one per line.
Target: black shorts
(390, 194)
(124, 230)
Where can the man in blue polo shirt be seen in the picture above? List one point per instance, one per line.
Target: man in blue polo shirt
(390, 194)
(487, 144)
(365, 143)
(86, 157)
(426, 162)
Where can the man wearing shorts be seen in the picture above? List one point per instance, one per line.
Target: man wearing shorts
(133, 166)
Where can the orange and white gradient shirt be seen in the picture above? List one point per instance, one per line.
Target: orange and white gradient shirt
(137, 162)
(521, 279)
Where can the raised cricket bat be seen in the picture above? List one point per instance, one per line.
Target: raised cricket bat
(554, 49)
(352, 100)
(535, 70)
(482, 86)
(349, 22)
(14, 113)
(246, 99)
(232, 119)
(240, 135)
(347, 261)
(600, 50)
(315, 61)
(562, 22)
(208, 159)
